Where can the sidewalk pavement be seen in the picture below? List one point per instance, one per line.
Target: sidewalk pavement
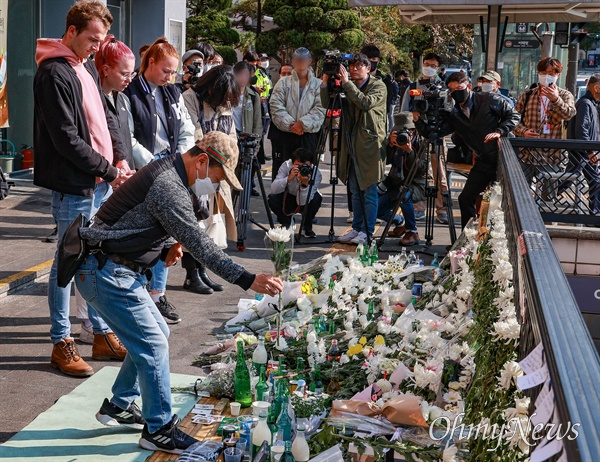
(29, 386)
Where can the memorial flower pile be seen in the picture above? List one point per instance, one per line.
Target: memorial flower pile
(439, 340)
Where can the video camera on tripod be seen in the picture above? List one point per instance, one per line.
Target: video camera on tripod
(432, 104)
(248, 140)
(332, 66)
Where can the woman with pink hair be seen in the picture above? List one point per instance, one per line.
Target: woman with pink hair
(115, 63)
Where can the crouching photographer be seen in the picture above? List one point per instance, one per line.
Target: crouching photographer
(402, 151)
(289, 190)
(480, 119)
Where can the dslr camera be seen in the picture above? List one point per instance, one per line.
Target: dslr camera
(305, 170)
(402, 137)
(194, 70)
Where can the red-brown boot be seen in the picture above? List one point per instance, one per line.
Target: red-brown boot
(66, 359)
(409, 239)
(107, 347)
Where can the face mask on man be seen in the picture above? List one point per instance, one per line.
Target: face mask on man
(203, 186)
(547, 80)
(374, 65)
(207, 67)
(460, 96)
(487, 87)
(264, 64)
(429, 71)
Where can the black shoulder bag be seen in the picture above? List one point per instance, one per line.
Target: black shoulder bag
(72, 250)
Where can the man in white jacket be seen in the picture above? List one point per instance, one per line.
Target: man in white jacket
(296, 110)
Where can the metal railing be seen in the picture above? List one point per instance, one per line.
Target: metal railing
(550, 313)
(564, 182)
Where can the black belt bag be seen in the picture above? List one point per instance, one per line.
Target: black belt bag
(72, 250)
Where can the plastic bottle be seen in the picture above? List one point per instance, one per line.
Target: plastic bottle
(334, 352)
(412, 258)
(403, 257)
(259, 357)
(258, 296)
(261, 433)
(300, 449)
(334, 384)
(243, 394)
(436, 260)
(360, 248)
(301, 388)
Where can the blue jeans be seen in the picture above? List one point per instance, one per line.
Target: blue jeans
(120, 296)
(371, 199)
(158, 283)
(388, 200)
(65, 208)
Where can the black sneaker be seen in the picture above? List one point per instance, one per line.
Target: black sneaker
(168, 439)
(309, 233)
(167, 310)
(113, 416)
(53, 237)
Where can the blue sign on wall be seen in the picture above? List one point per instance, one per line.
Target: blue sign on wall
(587, 293)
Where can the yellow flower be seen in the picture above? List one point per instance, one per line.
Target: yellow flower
(363, 340)
(354, 350)
(379, 340)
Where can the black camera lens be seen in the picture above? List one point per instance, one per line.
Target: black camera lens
(305, 170)
(402, 138)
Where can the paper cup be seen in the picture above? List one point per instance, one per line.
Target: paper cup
(258, 406)
(235, 408)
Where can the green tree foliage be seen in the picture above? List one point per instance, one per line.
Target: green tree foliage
(208, 22)
(228, 53)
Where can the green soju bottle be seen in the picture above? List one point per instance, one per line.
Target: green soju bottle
(261, 386)
(243, 394)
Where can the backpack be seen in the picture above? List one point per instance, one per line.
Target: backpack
(4, 185)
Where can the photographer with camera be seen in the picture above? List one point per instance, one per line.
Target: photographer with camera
(480, 119)
(192, 66)
(402, 152)
(429, 79)
(289, 191)
(364, 117)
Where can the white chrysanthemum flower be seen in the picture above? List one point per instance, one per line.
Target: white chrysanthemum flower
(280, 234)
(452, 397)
(384, 385)
(364, 322)
(281, 345)
(510, 371)
(344, 359)
(304, 303)
(507, 330)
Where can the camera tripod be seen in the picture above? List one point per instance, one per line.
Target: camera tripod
(334, 110)
(432, 146)
(248, 162)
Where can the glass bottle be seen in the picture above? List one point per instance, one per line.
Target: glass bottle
(317, 323)
(261, 433)
(300, 449)
(259, 357)
(322, 323)
(331, 330)
(374, 253)
(371, 312)
(403, 259)
(365, 256)
(243, 393)
(334, 385)
(281, 366)
(334, 353)
(331, 283)
(317, 385)
(300, 369)
(282, 392)
(261, 387)
(436, 260)
(288, 456)
(412, 258)
(284, 423)
(360, 250)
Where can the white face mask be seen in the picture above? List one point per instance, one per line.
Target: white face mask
(208, 67)
(264, 64)
(429, 71)
(203, 186)
(487, 87)
(547, 80)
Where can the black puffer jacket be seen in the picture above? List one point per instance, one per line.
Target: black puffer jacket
(490, 113)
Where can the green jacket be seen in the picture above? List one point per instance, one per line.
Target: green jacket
(366, 113)
(251, 113)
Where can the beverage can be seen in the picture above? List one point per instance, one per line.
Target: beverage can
(228, 431)
(417, 290)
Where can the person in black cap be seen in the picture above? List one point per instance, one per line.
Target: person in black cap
(296, 110)
(192, 68)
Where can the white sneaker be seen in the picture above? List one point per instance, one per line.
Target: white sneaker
(86, 335)
(349, 236)
(360, 237)
(350, 218)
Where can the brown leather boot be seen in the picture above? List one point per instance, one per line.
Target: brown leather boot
(66, 359)
(409, 238)
(398, 231)
(107, 347)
